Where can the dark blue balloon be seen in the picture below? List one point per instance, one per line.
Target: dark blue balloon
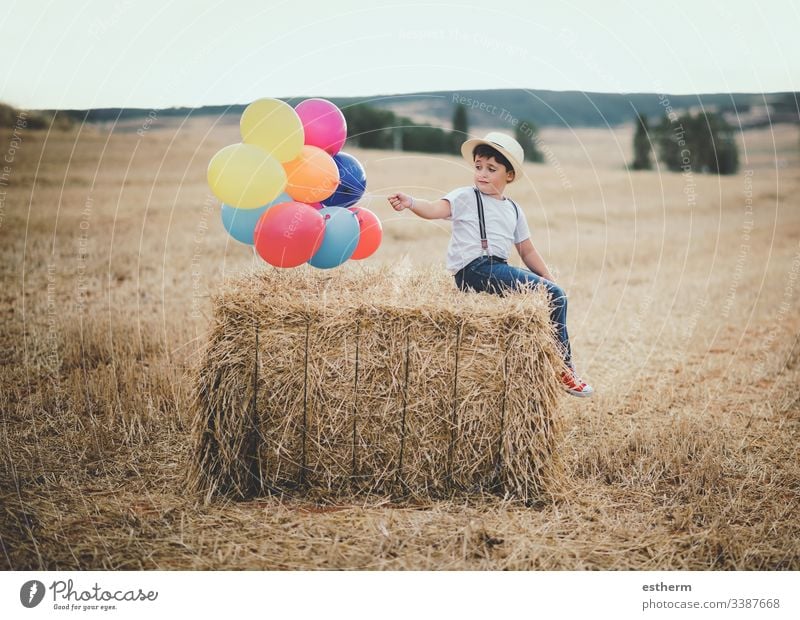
(352, 182)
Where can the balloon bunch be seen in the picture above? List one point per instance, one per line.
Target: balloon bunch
(289, 190)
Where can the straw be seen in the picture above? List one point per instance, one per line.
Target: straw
(369, 381)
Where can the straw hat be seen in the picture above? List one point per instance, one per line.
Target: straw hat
(509, 147)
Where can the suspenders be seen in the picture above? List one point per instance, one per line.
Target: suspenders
(482, 221)
(482, 224)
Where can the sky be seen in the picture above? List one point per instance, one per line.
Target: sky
(162, 53)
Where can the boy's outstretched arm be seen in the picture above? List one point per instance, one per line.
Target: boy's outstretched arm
(533, 260)
(427, 209)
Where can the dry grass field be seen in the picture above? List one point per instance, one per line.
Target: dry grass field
(683, 315)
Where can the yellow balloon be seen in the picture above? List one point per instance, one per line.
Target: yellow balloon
(274, 126)
(245, 176)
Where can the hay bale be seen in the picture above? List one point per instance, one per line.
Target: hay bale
(372, 381)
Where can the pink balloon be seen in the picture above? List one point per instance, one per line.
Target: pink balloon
(323, 123)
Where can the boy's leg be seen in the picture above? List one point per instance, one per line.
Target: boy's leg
(503, 277)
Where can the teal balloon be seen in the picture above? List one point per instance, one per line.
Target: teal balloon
(241, 223)
(340, 240)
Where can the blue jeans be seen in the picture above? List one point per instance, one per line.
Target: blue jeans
(494, 275)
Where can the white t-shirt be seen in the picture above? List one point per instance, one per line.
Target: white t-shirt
(503, 227)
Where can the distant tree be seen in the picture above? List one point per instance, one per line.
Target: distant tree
(721, 154)
(423, 138)
(370, 127)
(12, 117)
(460, 127)
(641, 144)
(702, 143)
(8, 115)
(669, 150)
(526, 133)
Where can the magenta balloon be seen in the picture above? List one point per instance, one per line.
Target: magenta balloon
(323, 123)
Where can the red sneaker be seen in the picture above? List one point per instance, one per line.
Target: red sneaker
(573, 384)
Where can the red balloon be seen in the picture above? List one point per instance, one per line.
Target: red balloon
(289, 234)
(371, 233)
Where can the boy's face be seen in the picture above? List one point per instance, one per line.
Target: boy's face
(491, 177)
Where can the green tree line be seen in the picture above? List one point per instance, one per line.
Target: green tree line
(370, 127)
(11, 117)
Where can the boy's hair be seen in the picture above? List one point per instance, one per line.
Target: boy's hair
(484, 150)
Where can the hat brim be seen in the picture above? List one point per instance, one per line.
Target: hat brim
(469, 146)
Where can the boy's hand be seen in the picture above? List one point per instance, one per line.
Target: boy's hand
(400, 201)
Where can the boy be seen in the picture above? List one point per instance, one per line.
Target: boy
(485, 224)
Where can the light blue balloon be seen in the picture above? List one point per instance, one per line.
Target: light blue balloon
(340, 240)
(241, 223)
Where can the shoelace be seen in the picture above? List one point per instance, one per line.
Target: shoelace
(573, 382)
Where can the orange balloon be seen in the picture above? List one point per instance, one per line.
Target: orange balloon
(311, 177)
(371, 233)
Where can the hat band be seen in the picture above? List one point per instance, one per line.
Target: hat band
(502, 146)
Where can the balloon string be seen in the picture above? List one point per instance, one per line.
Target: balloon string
(373, 195)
